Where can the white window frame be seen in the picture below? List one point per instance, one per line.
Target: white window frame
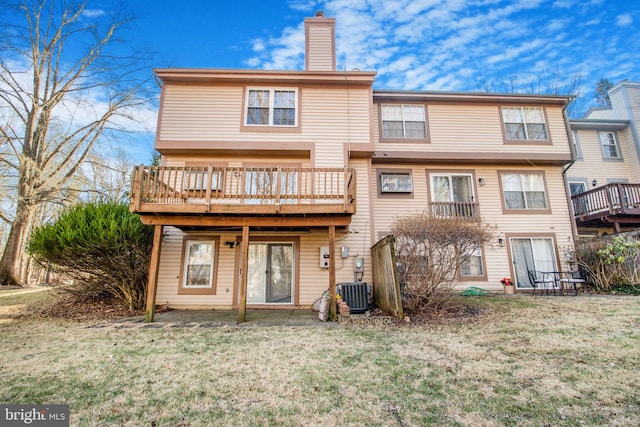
(523, 185)
(575, 182)
(187, 253)
(404, 120)
(576, 145)
(610, 141)
(477, 253)
(450, 176)
(197, 180)
(271, 106)
(394, 184)
(524, 123)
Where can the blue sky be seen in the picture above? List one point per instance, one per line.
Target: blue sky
(453, 45)
(450, 45)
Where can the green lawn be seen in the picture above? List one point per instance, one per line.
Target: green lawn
(525, 361)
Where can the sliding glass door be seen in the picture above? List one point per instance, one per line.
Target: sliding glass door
(529, 253)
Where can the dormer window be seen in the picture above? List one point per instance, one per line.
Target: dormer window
(271, 107)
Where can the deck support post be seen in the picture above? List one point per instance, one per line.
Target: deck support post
(152, 282)
(242, 304)
(332, 272)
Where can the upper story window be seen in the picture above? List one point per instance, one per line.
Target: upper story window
(524, 123)
(610, 148)
(271, 107)
(524, 191)
(402, 121)
(576, 145)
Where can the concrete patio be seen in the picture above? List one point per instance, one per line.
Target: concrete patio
(220, 318)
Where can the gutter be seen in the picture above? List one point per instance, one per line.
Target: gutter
(565, 169)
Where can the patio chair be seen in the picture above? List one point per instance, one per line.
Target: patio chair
(574, 280)
(542, 280)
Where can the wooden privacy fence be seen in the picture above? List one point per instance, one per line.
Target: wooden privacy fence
(386, 284)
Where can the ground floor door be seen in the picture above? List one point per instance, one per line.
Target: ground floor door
(270, 277)
(531, 254)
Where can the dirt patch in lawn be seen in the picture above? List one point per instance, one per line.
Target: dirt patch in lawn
(67, 307)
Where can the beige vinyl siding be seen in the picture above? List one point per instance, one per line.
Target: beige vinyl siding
(320, 49)
(314, 280)
(619, 104)
(214, 113)
(233, 161)
(197, 113)
(169, 272)
(593, 166)
(489, 197)
(473, 128)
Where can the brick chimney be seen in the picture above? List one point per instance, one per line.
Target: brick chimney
(320, 43)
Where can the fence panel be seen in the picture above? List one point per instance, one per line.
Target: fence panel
(386, 284)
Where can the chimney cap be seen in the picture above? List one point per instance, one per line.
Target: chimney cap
(319, 14)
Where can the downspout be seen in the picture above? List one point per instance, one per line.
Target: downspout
(574, 227)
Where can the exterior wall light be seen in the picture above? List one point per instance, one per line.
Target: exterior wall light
(481, 182)
(594, 182)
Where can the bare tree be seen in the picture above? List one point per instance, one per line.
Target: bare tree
(548, 83)
(602, 92)
(64, 84)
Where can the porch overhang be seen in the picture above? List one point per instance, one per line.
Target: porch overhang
(226, 221)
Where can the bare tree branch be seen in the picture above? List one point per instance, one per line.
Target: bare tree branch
(62, 86)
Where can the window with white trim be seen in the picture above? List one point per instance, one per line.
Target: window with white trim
(197, 179)
(472, 266)
(577, 187)
(610, 149)
(524, 123)
(576, 145)
(403, 121)
(271, 107)
(524, 191)
(198, 264)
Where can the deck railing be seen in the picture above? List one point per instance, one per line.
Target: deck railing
(610, 199)
(466, 210)
(210, 185)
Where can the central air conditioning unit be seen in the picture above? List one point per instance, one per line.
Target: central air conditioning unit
(356, 295)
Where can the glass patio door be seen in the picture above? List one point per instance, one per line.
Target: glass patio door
(270, 273)
(531, 254)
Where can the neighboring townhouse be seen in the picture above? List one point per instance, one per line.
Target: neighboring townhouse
(273, 185)
(604, 179)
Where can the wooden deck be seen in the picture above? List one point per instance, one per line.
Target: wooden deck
(239, 192)
(616, 204)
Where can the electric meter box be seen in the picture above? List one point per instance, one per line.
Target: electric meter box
(324, 256)
(358, 265)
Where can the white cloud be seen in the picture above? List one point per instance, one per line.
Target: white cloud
(93, 13)
(258, 45)
(461, 45)
(624, 20)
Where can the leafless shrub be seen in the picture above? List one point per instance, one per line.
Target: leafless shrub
(431, 253)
